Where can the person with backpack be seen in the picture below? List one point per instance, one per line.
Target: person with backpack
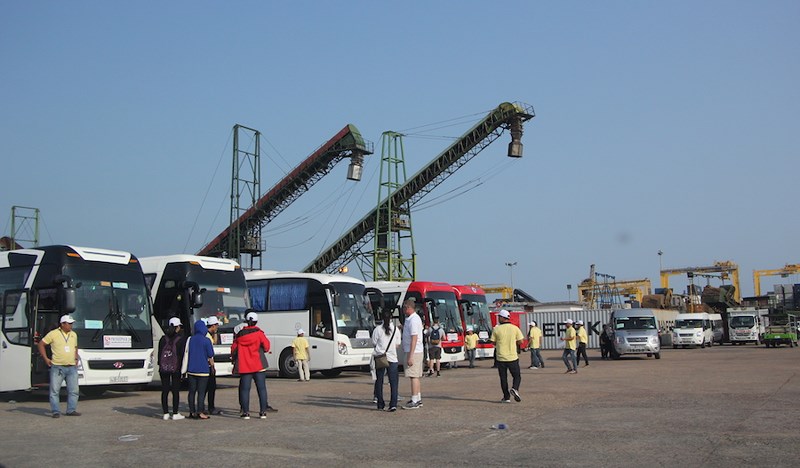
(435, 348)
(170, 358)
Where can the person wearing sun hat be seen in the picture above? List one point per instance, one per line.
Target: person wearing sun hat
(63, 343)
(250, 348)
(302, 354)
(570, 344)
(507, 338)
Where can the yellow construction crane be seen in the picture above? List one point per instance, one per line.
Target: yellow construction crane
(506, 292)
(789, 269)
(726, 269)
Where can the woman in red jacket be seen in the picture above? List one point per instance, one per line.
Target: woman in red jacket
(250, 348)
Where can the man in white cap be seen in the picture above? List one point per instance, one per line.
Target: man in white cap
(212, 323)
(583, 341)
(302, 355)
(470, 345)
(63, 344)
(507, 337)
(570, 343)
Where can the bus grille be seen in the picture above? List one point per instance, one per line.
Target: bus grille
(117, 365)
(453, 350)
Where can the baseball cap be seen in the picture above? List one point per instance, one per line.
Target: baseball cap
(579, 322)
(533, 323)
(568, 321)
(504, 313)
(67, 319)
(469, 327)
(174, 321)
(251, 317)
(301, 331)
(213, 320)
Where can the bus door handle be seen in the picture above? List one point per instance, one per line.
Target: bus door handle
(5, 345)
(312, 346)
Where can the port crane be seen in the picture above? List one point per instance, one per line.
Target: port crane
(726, 269)
(788, 269)
(507, 116)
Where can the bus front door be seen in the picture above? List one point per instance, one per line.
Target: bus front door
(15, 341)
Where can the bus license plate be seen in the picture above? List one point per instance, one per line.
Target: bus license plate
(119, 379)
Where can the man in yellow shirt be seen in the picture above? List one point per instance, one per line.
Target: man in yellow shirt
(535, 345)
(570, 343)
(63, 344)
(583, 341)
(506, 338)
(470, 345)
(302, 355)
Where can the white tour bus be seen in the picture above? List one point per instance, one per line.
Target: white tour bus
(692, 330)
(333, 310)
(105, 293)
(192, 288)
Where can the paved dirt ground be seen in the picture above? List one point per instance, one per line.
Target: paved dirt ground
(723, 406)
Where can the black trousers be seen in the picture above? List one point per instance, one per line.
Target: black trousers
(212, 392)
(582, 352)
(170, 382)
(503, 368)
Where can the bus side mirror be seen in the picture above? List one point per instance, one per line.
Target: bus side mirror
(197, 298)
(69, 300)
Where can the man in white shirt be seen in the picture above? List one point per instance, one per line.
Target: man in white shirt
(412, 346)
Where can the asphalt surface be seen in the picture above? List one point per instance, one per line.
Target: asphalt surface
(723, 406)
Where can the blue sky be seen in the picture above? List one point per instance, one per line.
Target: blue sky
(667, 126)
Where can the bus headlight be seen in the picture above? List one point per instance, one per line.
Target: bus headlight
(342, 348)
(151, 361)
(79, 365)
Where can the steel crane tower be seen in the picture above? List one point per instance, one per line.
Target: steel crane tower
(507, 116)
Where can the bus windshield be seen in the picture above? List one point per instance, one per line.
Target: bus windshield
(112, 307)
(476, 314)
(743, 321)
(224, 296)
(446, 310)
(635, 323)
(352, 309)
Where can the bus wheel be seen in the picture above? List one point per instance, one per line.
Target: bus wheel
(330, 372)
(92, 391)
(287, 365)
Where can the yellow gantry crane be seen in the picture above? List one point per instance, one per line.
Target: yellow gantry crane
(506, 292)
(788, 269)
(726, 269)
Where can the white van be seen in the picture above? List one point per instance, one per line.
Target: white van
(692, 330)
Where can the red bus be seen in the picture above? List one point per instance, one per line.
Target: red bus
(475, 313)
(434, 300)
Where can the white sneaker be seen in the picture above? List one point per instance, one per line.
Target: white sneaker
(166, 416)
(178, 417)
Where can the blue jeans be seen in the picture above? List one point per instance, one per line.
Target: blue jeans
(470, 355)
(58, 374)
(569, 359)
(536, 358)
(393, 383)
(197, 390)
(261, 388)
